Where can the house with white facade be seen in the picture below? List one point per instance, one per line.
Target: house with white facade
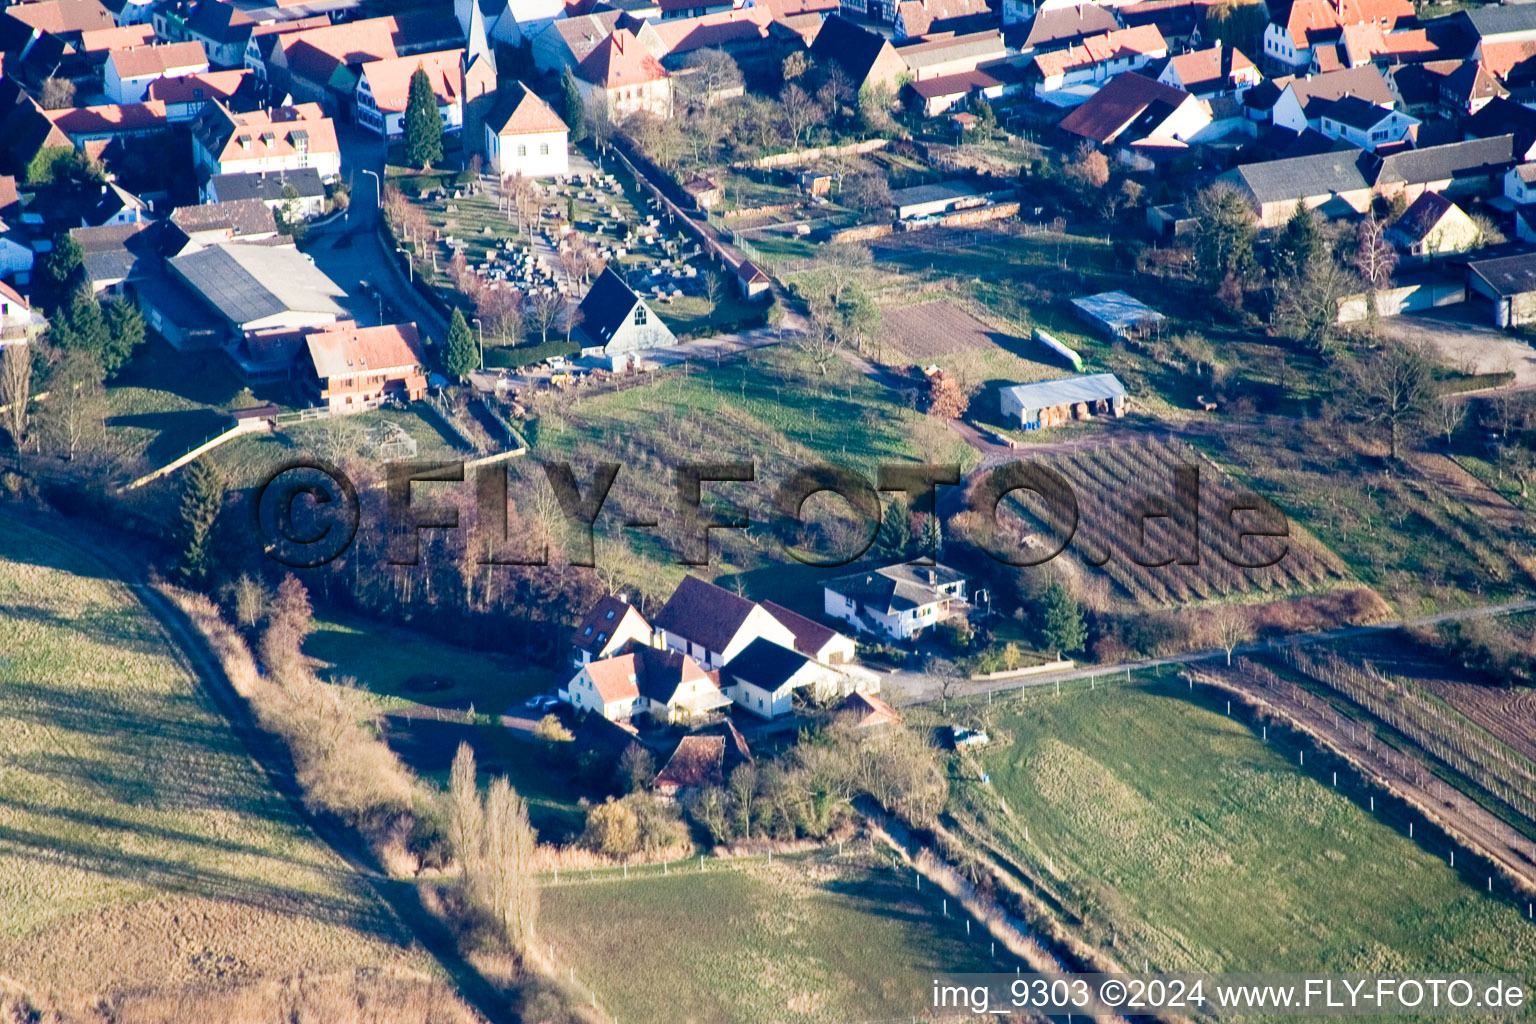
(1365, 124)
(897, 601)
(623, 76)
(524, 135)
(282, 139)
(665, 684)
(384, 89)
(765, 677)
(616, 324)
(1072, 75)
(19, 323)
(712, 625)
(129, 72)
(611, 624)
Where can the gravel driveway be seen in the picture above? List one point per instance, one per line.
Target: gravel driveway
(1466, 338)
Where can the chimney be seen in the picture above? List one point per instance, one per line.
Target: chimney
(933, 578)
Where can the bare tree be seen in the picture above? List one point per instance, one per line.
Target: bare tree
(76, 406)
(714, 288)
(1375, 259)
(57, 93)
(542, 311)
(801, 112)
(505, 880)
(1449, 416)
(16, 391)
(1229, 628)
(251, 600)
(820, 342)
(1394, 388)
(948, 677)
(466, 818)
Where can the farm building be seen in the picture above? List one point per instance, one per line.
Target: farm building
(931, 200)
(1118, 315)
(1510, 282)
(1055, 401)
(751, 281)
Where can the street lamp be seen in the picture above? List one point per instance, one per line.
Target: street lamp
(378, 186)
(479, 327)
(410, 264)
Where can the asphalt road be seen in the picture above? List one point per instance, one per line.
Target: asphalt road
(921, 688)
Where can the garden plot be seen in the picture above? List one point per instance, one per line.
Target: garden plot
(925, 331)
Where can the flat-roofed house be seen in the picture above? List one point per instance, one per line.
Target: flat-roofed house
(358, 367)
(896, 601)
(1049, 403)
(524, 135)
(129, 72)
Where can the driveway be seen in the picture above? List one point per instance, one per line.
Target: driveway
(1466, 339)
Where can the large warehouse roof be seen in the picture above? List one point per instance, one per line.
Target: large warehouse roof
(247, 283)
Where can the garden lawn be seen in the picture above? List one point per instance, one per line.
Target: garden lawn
(1193, 844)
(800, 942)
(139, 845)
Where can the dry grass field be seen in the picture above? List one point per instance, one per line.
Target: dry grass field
(924, 331)
(144, 860)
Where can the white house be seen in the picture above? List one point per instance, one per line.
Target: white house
(523, 135)
(18, 322)
(1303, 101)
(1364, 123)
(1081, 68)
(384, 89)
(1520, 184)
(812, 639)
(612, 623)
(130, 71)
(896, 601)
(622, 75)
(764, 677)
(283, 139)
(713, 625)
(668, 686)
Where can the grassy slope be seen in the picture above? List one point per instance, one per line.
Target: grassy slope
(800, 941)
(1206, 848)
(138, 844)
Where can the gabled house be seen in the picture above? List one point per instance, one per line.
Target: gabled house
(866, 57)
(952, 55)
(1472, 168)
(186, 97)
(867, 714)
(19, 324)
(713, 625)
(116, 254)
(211, 223)
(384, 88)
(606, 628)
(812, 639)
(1216, 71)
(130, 71)
(764, 678)
(283, 139)
(1502, 116)
(1331, 182)
(524, 135)
(623, 77)
(918, 18)
(698, 760)
(320, 65)
(897, 601)
(356, 368)
(1434, 226)
(301, 193)
(1520, 184)
(1132, 109)
(567, 42)
(1302, 100)
(1364, 123)
(665, 684)
(751, 282)
(1295, 28)
(615, 323)
(1074, 74)
(1056, 27)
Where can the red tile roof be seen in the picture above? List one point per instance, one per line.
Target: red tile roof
(98, 39)
(143, 61)
(61, 17)
(347, 349)
(219, 85)
(697, 761)
(390, 80)
(316, 53)
(520, 111)
(869, 710)
(1144, 39)
(616, 678)
(128, 117)
(620, 61)
(1124, 98)
(1309, 17)
(680, 35)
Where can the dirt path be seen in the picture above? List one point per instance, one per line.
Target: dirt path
(1353, 738)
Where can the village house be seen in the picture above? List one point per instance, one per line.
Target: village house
(765, 677)
(1050, 403)
(615, 324)
(866, 57)
(622, 76)
(1072, 75)
(951, 55)
(991, 81)
(1509, 282)
(187, 96)
(357, 368)
(1058, 27)
(284, 139)
(384, 88)
(130, 71)
(897, 601)
(566, 43)
(1303, 101)
(299, 192)
(610, 624)
(668, 686)
(523, 135)
(697, 761)
(1434, 226)
(812, 639)
(1459, 169)
(1520, 184)
(19, 324)
(250, 220)
(1296, 27)
(751, 282)
(1138, 115)
(713, 625)
(916, 19)
(1364, 123)
(115, 254)
(1503, 116)
(1215, 71)
(1330, 182)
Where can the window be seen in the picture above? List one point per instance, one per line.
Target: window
(522, 150)
(543, 149)
(639, 316)
(609, 617)
(588, 631)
